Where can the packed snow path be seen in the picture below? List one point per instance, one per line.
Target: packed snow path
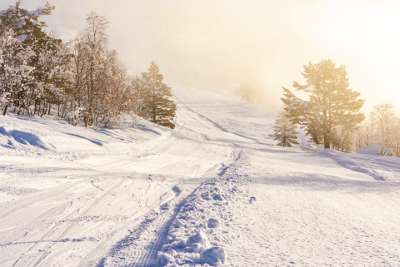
(213, 191)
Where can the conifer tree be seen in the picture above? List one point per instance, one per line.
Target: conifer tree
(154, 97)
(284, 131)
(330, 103)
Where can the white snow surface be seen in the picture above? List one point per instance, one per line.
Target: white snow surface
(215, 191)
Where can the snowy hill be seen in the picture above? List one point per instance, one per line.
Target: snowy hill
(216, 191)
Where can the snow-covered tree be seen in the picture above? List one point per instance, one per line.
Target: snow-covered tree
(154, 98)
(30, 31)
(284, 131)
(15, 73)
(101, 89)
(94, 40)
(113, 97)
(56, 77)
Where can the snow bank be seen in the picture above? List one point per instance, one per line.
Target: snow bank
(47, 136)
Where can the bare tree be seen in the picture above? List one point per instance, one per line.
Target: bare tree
(383, 119)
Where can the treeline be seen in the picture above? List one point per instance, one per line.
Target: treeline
(81, 81)
(380, 132)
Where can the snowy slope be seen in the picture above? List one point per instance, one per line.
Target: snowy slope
(215, 191)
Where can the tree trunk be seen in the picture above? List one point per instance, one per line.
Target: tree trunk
(326, 141)
(5, 110)
(35, 110)
(85, 119)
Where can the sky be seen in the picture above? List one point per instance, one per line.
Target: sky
(221, 44)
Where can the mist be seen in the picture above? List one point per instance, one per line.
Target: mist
(221, 45)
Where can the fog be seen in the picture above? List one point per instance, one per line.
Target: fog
(220, 45)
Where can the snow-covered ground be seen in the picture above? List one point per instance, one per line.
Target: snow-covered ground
(215, 191)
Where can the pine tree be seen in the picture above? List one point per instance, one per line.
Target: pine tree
(284, 131)
(297, 110)
(154, 97)
(330, 103)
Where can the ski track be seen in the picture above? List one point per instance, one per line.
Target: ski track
(219, 126)
(31, 201)
(58, 224)
(127, 252)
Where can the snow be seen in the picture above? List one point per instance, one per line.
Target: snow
(212, 223)
(215, 191)
(212, 256)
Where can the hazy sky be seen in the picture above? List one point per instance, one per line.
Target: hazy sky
(218, 44)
